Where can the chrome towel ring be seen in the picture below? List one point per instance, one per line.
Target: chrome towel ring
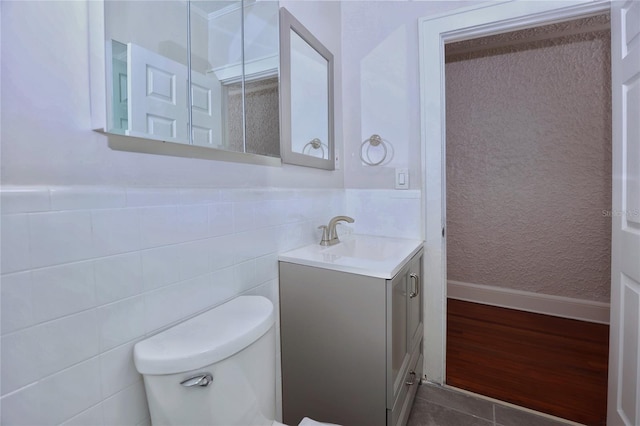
(365, 150)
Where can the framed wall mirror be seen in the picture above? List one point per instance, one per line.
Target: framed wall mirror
(306, 99)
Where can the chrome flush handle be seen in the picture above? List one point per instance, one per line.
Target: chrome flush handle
(201, 380)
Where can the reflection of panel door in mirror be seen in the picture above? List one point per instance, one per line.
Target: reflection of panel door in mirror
(206, 111)
(120, 115)
(157, 96)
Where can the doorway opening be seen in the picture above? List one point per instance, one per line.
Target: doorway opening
(528, 177)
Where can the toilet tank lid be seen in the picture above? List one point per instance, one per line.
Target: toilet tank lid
(206, 338)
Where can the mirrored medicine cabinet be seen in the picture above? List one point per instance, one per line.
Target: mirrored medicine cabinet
(207, 74)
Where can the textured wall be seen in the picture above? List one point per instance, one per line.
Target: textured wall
(529, 167)
(263, 121)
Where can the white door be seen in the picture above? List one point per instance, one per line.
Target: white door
(624, 342)
(157, 96)
(206, 110)
(120, 100)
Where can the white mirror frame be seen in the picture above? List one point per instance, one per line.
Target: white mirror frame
(289, 23)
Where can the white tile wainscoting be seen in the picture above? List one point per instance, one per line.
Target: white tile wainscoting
(87, 272)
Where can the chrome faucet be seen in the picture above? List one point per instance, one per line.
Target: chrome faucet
(329, 233)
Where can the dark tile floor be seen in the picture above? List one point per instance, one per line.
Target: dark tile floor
(443, 406)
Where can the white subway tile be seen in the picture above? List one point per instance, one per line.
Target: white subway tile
(24, 200)
(71, 391)
(121, 322)
(62, 290)
(67, 341)
(173, 303)
(265, 241)
(60, 237)
(77, 198)
(244, 217)
(15, 243)
(160, 266)
(244, 245)
(19, 360)
(199, 195)
(116, 231)
(267, 268)
(224, 285)
(243, 194)
(199, 294)
(118, 277)
(245, 275)
(139, 197)
(193, 222)
(22, 408)
(195, 258)
(223, 251)
(128, 407)
(269, 213)
(93, 416)
(158, 226)
(117, 369)
(16, 311)
(285, 214)
(160, 308)
(220, 219)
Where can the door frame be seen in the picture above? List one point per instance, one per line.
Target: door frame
(434, 31)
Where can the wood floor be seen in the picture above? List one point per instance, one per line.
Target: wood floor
(549, 364)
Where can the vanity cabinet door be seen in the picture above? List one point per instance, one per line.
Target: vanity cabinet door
(414, 303)
(397, 335)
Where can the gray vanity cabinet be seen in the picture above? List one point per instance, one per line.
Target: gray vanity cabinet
(351, 344)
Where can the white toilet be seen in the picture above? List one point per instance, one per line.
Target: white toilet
(216, 369)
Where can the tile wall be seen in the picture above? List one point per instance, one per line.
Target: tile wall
(386, 212)
(87, 272)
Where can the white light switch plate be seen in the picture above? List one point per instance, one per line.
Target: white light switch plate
(402, 178)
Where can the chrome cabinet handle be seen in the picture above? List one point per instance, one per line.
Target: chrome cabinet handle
(202, 380)
(412, 380)
(416, 280)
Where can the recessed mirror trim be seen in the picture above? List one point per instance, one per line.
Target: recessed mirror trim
(288, 25)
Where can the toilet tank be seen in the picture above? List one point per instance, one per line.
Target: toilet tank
(234, 344)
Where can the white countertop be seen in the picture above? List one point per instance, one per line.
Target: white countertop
(380, 257)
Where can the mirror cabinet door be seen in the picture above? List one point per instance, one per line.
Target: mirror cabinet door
(307, 97)
(147, 69)
(207, 73)
(201, 72)
(261, 78)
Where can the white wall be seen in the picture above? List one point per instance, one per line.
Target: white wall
(381, 85)
(102, 247)
(46, 132)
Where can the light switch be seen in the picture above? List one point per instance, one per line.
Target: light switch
(402, 178)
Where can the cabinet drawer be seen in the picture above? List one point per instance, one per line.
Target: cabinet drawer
(399, 415)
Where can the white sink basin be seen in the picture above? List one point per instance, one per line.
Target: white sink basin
(379, 257)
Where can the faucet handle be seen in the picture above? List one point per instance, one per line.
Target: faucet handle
(325, 235)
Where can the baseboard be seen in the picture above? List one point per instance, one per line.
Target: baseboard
(565, 307)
